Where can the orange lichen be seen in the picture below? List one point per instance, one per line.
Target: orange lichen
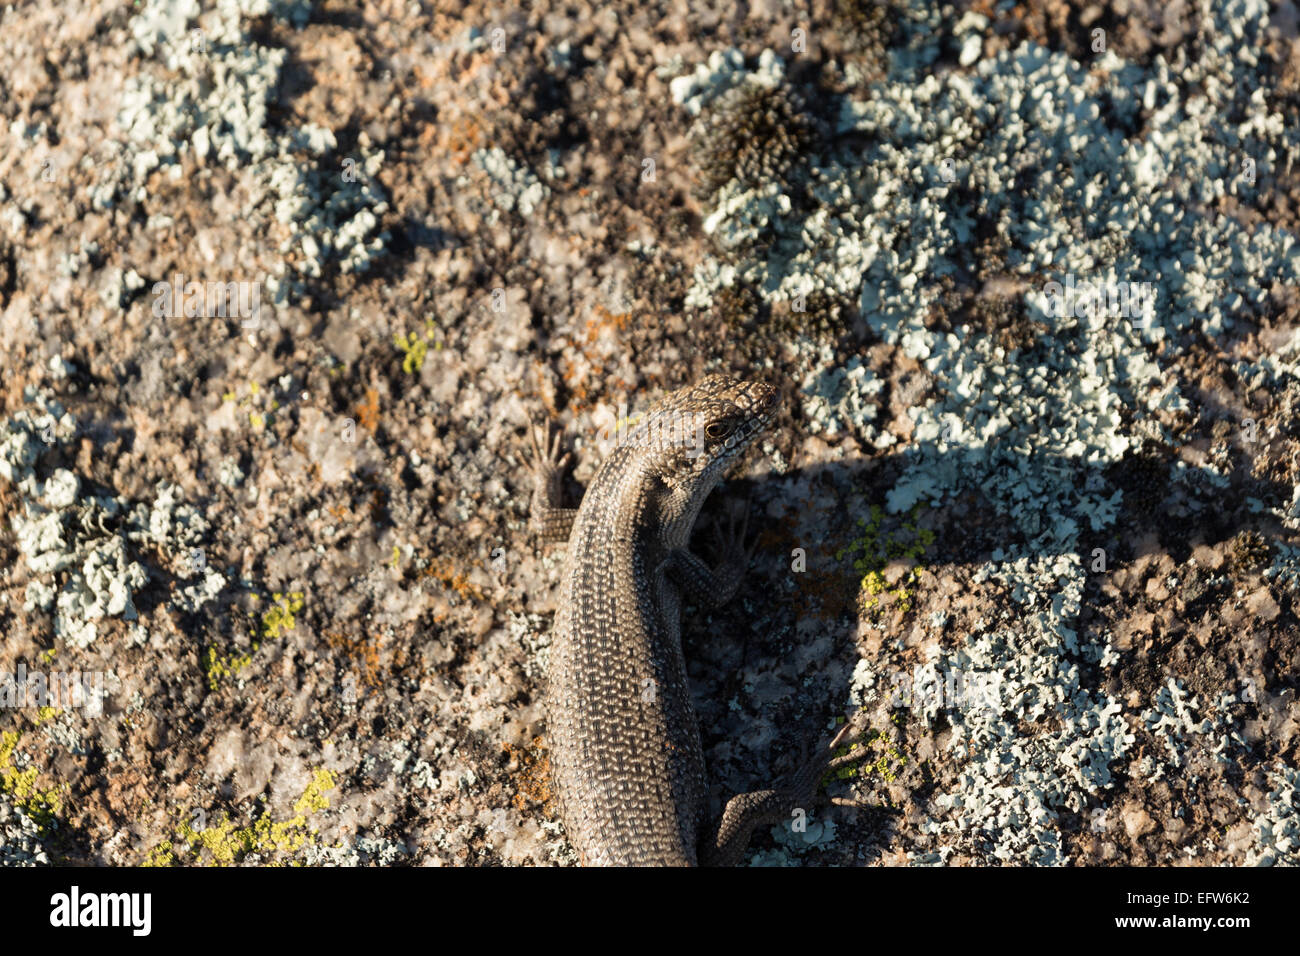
(442, 571)
(605, 320)
(465, 134)
(368, 411)
(531, 767)
(363, 652)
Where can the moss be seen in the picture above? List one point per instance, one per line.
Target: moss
(225, 844)
(1143, 474)
(866, 27)
(876, 549)
(737, 306)
(822, 316)
(1006, 321)
(1249, 552)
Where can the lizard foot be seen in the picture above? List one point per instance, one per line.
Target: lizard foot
(851, 737)
(822, 760)
(548, 464)
(729, 535)
(548, 518)
(746, 811)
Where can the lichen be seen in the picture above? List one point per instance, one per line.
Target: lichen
(219, 665)
(42, 804)
(415, 347)
(280, 616)
(259, 405)
(227, 844)
(1018, 166)
(904, 541)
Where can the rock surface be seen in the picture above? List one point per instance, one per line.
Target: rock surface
(281, 285)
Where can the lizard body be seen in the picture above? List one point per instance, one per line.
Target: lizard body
(626, 757)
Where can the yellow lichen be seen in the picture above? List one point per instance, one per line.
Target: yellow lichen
(42, 805)
(161, 855)
(416, 347)
(218, 666)
(225, 844)
(890, 762)
(313, 798)
(255, 404)
(279, 617)
(281, 614)
(908, 542)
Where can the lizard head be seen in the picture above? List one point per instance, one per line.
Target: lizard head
(696, 434)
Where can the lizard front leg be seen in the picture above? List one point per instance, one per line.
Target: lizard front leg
(711, 587)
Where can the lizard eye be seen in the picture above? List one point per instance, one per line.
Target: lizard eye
(719, 429)
(770, 400)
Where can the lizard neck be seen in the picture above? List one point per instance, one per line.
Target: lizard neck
(678, 506)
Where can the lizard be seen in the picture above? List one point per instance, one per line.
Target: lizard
(626, 757)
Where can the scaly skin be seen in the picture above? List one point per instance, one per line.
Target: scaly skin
(626, 758)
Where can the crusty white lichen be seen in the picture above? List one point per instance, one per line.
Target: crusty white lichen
(1104, 172)
(80, 547)
(515, 188)
(1277, 829)
(840, 398)
(206, 92)
(21, 843)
